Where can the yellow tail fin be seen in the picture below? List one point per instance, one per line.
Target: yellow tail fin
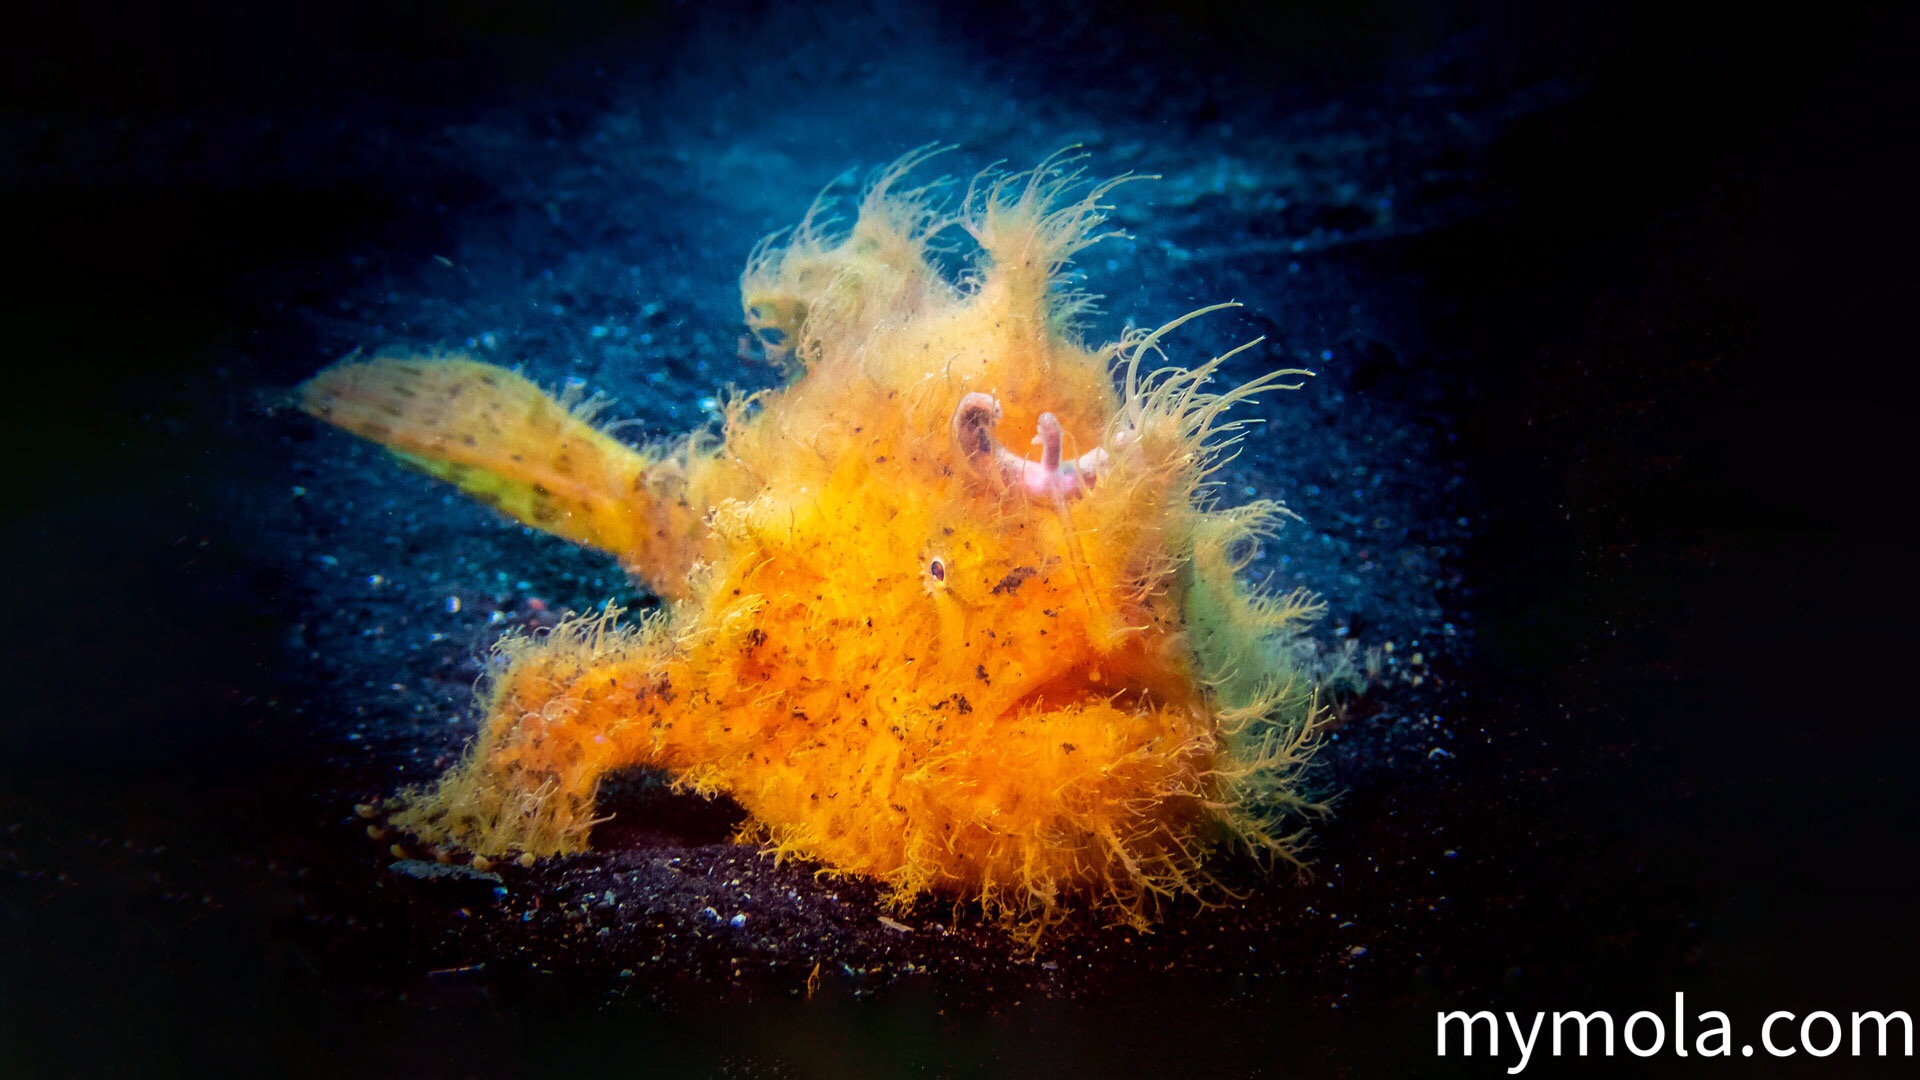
(499, 438)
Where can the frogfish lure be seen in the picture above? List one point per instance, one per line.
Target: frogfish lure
(912, 645)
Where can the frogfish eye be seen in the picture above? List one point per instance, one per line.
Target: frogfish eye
(938, 569)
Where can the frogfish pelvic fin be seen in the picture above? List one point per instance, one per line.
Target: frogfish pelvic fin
(912, 644)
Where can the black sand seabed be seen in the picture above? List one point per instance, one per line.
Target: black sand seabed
(1591, 467)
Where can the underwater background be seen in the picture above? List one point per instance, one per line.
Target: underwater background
(1598, 474)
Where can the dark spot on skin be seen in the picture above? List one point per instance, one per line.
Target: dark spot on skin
(469, 440)
(664, 691)
(965, 706)
(980, 672)
(1068, 747)
(1014, 579)
(541, 490)
(756, 637)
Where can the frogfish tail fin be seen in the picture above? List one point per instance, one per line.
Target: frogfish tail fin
(499, 438)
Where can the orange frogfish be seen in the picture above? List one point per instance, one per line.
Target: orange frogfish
(911, 643)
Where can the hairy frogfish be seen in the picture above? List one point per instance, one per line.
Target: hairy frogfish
(956, 608)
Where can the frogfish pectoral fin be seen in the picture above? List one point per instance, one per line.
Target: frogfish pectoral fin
(562, 711)
(501, 439)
